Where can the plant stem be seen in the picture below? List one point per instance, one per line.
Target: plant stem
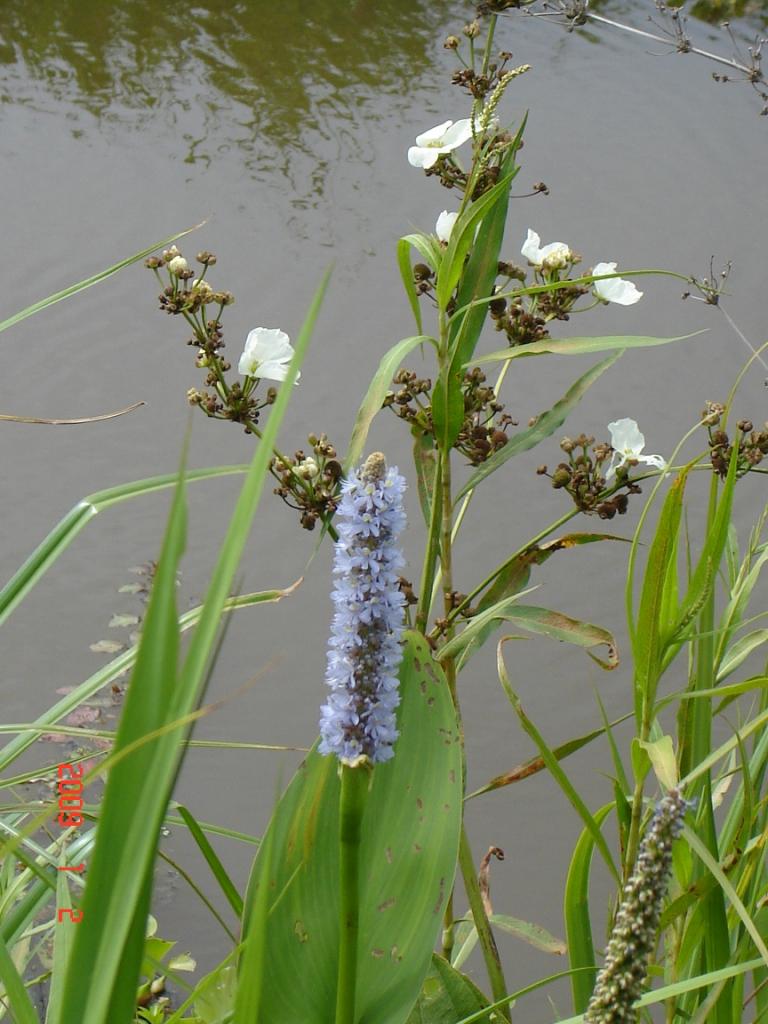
(484, 932)
(354, 790)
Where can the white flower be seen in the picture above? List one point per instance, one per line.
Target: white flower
(178, 265)
(308, 469)
(627, 443)
(441, 139)
(267, 353)
(616, 289)
(553, 256)
(444, 225)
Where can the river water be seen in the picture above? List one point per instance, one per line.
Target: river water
(286, 127)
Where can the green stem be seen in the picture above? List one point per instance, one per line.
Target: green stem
(430, 555)
(483, 925)
(354, 790)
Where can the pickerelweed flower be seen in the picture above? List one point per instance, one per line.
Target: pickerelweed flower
(358, 720)
(443, 138)
(628, 443)
(620, 983)
(267, 354)
(617, 289)
(444, 225)
(553, 256)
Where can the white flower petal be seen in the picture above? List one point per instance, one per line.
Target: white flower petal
(420, 157)
(626, 436)
(628, 443)
(531, 248)
(444, 225)
(434, 136)
(458, 133)
(556, 253)
(617, 289)
(267, 354)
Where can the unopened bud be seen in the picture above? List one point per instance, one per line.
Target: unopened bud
(178, 265)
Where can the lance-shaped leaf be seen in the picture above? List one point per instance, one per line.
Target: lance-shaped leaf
(476, 282)
(375, 394)
(539, 620)
(546, 424)
(408, 856)
(431, 253)
(579, 346)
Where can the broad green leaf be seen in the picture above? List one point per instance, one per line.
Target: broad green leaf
(409, 846)
(73, 289)
(217, 994)
(577, 346)
(374, 397)
(578, 923)
(448, 995)
(546, 424)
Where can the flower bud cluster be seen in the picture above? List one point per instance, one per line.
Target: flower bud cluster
(485, 425)
(583, 477)
(310, 483)
(752, 444)
(633, 938)
(358, 720)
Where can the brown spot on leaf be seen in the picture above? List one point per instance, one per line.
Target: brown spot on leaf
(387, 904)
(439, 903)
(388, 854)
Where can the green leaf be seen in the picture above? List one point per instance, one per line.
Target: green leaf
(650, 630)
(106, 957)
(546, 424)
(73, 289)
(544, 621)
(476, 282)
(446, 996)
(578, 346)
(532, 934)
(62, 535)
(15, 994)
(409, 845)
(430, 251)
(552, 764)
(218, 870)
(578, 924)
(374, 397)
(463, 233)
(536, 764)
(661, 753)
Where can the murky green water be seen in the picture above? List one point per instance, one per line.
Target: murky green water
(286, 126)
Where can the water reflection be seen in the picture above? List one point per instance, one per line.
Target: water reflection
(272, 80)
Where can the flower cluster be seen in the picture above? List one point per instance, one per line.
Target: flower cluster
(620, 982)
(585, 476)
(358, 720)
(309, 483)
(752, 444)
(485, 425)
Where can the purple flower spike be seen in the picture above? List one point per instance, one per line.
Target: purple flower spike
(358, 720)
